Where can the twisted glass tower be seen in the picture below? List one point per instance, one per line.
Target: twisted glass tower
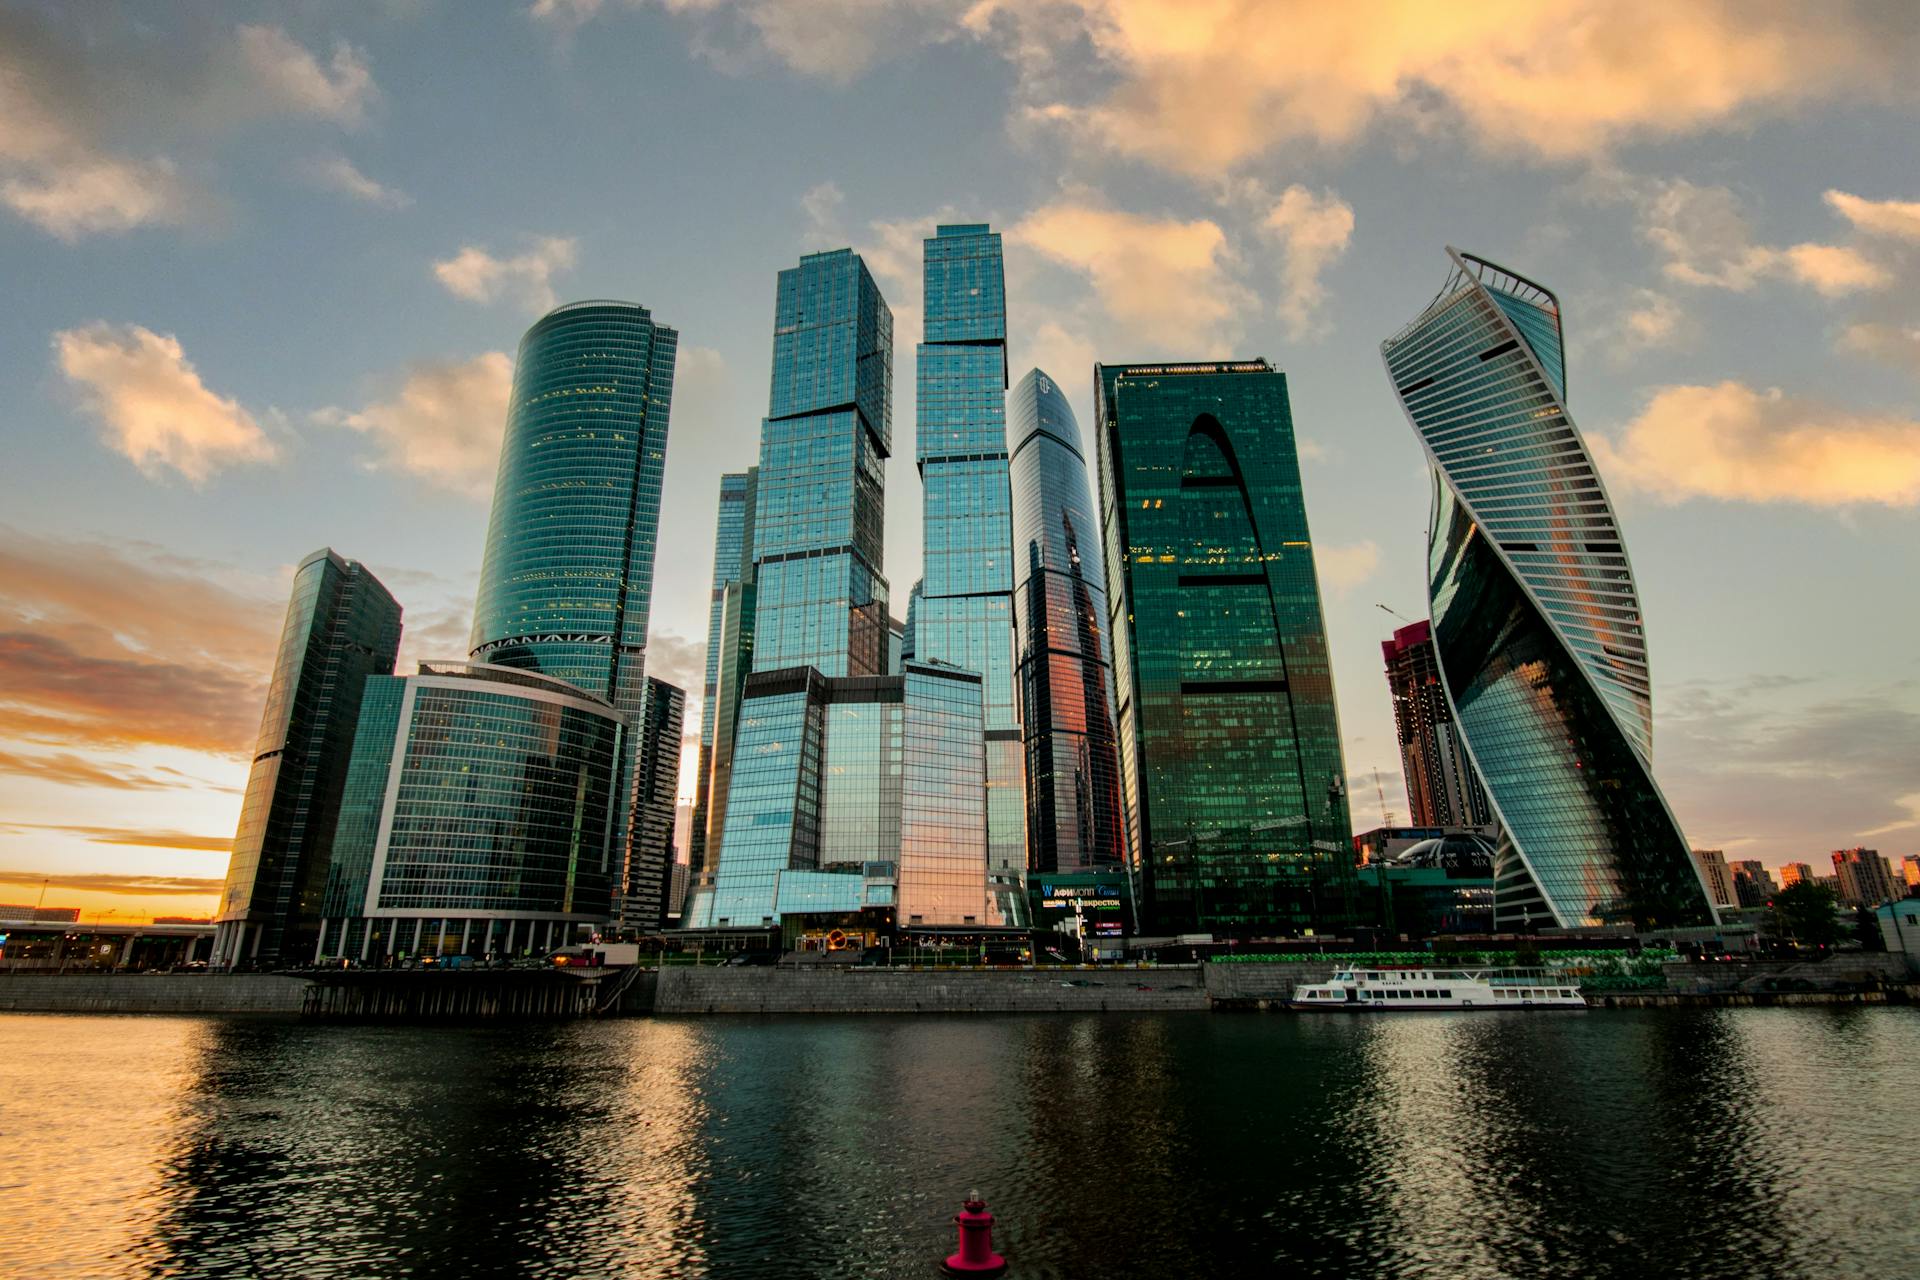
(567, 577)
(963, 609)
(1065, 664)
(1535, 616)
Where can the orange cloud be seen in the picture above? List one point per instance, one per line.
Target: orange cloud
(1732, 443)
(480, 276)
(132, 837)
(1162, 280)
(1313, 232)
(156, 410)
(1202, 86)
(444, 422)
(1896, 218)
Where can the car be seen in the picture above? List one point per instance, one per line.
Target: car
(756, 958)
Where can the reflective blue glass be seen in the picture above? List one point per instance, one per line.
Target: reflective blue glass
(1536, 619)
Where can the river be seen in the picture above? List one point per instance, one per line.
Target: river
(1746, 1142)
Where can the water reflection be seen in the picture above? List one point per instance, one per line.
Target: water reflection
(1769, 1143)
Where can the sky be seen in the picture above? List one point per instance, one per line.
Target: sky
(267, 265)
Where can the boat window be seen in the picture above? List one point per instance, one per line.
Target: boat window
(1445, 994)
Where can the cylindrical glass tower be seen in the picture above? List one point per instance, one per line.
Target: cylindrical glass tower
(1060, 608)
(568, 574)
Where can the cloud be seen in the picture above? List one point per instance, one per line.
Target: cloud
(285, 72)
(1343, 568)
(1899, 219)
(1652, 319)
(832, 40)
(1897, 345)
(337, 173)
(114, 882)
(82, 114)
(68, 770)
(132, 837)
(443, 424)
(679, 661)
(156, 410)
(97, 195)
(1163, 281)
(101, 648)
(1773, 756)
(1313, 232)
(822, 203)
(1732, 443)
(478, 276)
(1203, 86)
(1704, 234)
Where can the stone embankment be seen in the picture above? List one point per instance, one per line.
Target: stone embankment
(265, 993)
(697, 990)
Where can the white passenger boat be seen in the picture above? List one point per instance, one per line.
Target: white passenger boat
(1406, 990)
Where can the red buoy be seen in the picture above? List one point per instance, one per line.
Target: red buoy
(976, 1256)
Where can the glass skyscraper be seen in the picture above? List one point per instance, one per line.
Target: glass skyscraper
(477, 817)
(342, 627)
(1065, 661)
(1535, 615)
(567, 578)
(1232, 778)
(963, 607)
(732, 562)
(649, 872)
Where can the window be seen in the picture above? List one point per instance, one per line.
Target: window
(1446, 994)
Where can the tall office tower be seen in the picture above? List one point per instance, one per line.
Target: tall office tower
(1065, 663)
(643, 903)
(732, 562)
(342, 627)
(819, 602)
(1866, 879)
(963, 615)
(1231, 774)
(1717, 876)
(567, 579)
(1795, 873)
(478, 816)
(1442, 788)
(1752, 885)
(1535, 615)
(819, 521)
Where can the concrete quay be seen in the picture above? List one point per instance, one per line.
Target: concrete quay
(698, 990)
(256, 993)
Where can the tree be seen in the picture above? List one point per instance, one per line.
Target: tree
(1804, 912)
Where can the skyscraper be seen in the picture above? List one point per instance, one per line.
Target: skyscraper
(1795, 873)
(477, 817)
(1065, 661)
(732, 562)
(818, 600)
(649, 873)
(1231, 771)
(1753, 886)
(1535, 616)
(567, 578)
(1718, 877)
(342, 626)
(963, 614)
(1442, 788)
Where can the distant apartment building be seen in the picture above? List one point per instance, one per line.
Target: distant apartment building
(1752, 884)
(1866, 879)
(1442, 788)
(1719, 877)
(1910, 872)
(1795, 873)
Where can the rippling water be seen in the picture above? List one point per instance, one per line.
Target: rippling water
(1753, 1143)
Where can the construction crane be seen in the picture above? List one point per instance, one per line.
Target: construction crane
(1386, 814)
(1396, 613)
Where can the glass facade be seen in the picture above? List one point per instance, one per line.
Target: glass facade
(567, 577)
(732, 562)
(479, 816)
(963, 611)
(815, 615)
(1442, 788)
(649, 870)
(1065, 663)
(342, 628)
(1536, 619)
(1232, 779)
(943, 879)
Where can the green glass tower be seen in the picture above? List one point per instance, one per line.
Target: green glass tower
(567, 577)
(342, 627)
(1232, 779)
(732, 563)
